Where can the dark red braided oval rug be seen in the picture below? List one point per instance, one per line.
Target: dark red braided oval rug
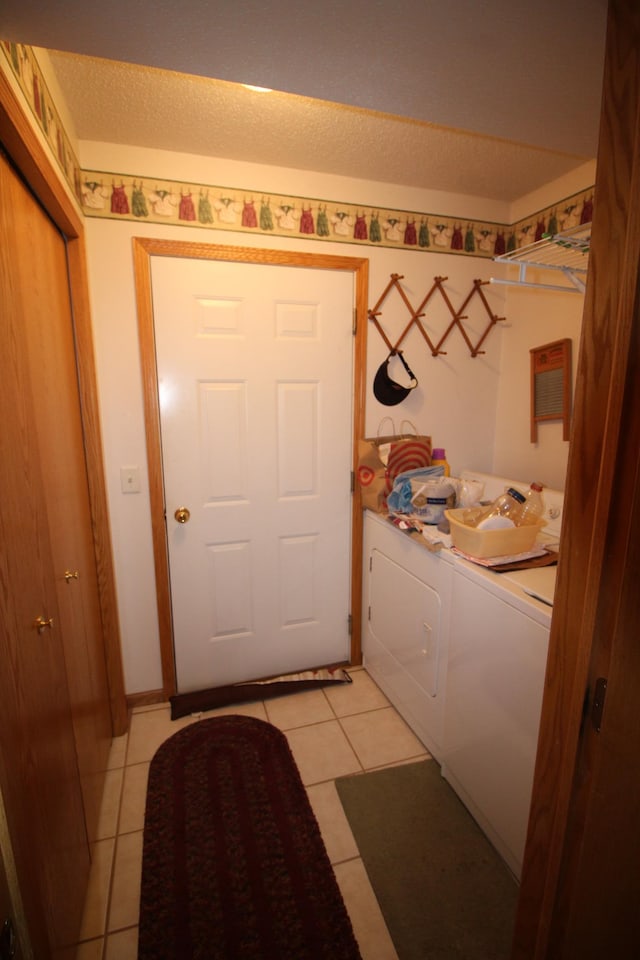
(234, 866)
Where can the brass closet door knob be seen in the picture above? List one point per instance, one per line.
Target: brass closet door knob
(182, 515)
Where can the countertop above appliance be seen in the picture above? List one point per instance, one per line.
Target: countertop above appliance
(536, 582)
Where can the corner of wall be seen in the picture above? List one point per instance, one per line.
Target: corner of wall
(552, 194)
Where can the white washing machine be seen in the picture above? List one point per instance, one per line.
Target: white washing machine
(497, 653)
(498, 643)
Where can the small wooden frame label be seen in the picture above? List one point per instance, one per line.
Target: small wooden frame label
(551, 385)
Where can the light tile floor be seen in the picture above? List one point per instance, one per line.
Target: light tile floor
(332, 731)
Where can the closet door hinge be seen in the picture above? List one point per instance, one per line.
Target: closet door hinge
(350, 624)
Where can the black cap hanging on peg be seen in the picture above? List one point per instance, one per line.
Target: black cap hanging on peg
(388, 391)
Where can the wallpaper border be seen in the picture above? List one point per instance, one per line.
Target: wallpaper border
(110, 195)
(116, 195)
(25, 68)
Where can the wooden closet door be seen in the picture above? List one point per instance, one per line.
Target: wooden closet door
(9, 921)
(38, 759)
(40, 266)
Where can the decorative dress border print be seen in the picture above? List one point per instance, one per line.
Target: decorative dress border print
(123, 196)
(116, 196)
(24, 66)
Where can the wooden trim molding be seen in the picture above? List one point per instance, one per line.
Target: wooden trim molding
(28, 154)
(148, 698)
(33, 161)
(143, 250)
(578, 893)
(144, 308)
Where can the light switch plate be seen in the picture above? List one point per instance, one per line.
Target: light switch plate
(130, 479)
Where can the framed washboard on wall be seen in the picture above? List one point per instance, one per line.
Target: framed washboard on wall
(551, 385)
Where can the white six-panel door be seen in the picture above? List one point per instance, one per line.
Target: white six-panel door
(255, 368)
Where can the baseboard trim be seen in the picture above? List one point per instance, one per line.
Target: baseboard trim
(145, 698)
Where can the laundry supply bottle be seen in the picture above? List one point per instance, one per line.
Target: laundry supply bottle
(533, 506)
(503, 512)
(439, 459)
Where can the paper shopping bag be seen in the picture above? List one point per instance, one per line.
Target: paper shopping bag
(383, 457)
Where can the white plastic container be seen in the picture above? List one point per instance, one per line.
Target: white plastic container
(430, 498)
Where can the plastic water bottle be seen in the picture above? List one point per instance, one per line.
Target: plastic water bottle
(533, 507)
(503, 512)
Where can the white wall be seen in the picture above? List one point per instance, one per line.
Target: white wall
(462, 402)
(535, 318)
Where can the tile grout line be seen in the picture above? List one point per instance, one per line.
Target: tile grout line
(125, 765)
(103, 935)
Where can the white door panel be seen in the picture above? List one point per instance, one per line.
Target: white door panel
(255, 379)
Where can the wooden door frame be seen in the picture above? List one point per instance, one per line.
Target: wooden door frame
(32, 160)
(595, 620)
(143, 250)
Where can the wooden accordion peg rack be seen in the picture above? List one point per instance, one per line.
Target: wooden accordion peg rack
(457, 316)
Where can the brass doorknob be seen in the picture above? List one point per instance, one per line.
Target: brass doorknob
(41, 624)
(182, 514)
(69, 575)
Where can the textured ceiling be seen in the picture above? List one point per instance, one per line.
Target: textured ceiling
(492, 99)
